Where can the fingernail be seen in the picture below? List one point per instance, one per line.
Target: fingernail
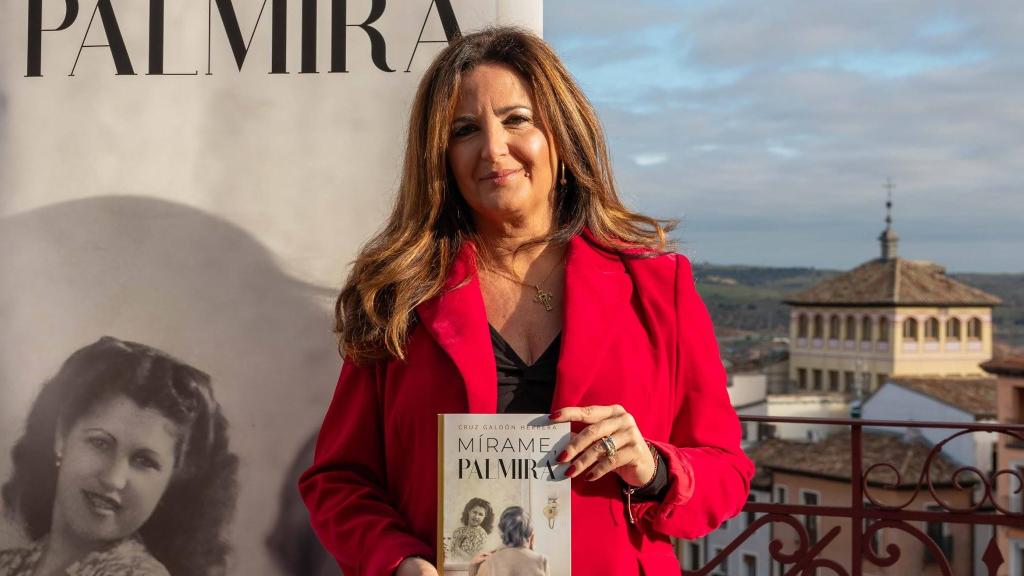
(556, 415)
(570, 470)
(563, 457)
(591, 477)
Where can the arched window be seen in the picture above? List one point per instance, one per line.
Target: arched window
(953, 329)
(865, 329)
(819, 326)
(974, 329)
(883, 329)
(851, 329)
(910, 329)
(931, 329)
(833, 327)
(801, 326)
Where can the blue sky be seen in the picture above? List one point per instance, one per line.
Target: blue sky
(769, 128)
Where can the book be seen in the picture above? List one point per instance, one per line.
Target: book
(502, 495)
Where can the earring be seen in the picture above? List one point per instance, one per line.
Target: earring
(562, 181)
(58, 459)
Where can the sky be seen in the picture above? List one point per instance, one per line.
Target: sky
(769, 129)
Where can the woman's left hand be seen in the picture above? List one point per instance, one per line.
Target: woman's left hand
(632, 460)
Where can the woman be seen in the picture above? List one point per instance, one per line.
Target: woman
(509, 253)
(477, 522)
(123, 470)
(517, 557)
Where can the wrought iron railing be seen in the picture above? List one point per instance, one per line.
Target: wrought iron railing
(867, 514)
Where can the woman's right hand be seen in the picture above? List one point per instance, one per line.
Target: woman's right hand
(413, 566)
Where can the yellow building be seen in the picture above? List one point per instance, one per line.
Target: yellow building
(887, 317)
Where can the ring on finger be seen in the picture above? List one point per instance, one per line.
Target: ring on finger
(609, 446)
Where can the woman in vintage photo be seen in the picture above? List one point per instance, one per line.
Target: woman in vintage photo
(123, 470)
(516, 557)
(510, 277)
(477, 522)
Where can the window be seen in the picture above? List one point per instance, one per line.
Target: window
(833, 327)
(876, 539)
(851, 329)
(910, 329)
(749, 515)
(833, 380)
(801, 378)
(722, 569)
(849, 380)
(692, 559)
(974, 329)
(953, 329)
(819, 326)
(865, 329)
(809, 498)
(1014, 489)
(937, 532)
(749, 565)
(1018, 403)
(931, 329)
(781, 494)
(881, 378)
(883, 329)
(817, 378)
(801, 326)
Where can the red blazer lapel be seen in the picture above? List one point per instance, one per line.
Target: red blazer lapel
(457, 321)
(597, 293)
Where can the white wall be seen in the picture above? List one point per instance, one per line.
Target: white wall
(894, 402)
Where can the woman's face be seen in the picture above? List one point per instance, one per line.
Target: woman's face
(116, 463)
(477, 515)
(502, 158)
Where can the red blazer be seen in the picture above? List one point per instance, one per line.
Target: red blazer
(634, 333)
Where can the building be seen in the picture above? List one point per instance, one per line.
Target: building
(887, 317)
(819, 474)
(1010, 456)
(751, 557)
(948, 399)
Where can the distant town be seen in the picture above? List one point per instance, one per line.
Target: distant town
(894, 340)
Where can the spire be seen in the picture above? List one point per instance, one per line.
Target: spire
(888, 237)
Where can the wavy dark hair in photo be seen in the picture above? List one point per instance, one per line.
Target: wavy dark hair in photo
(185, 531)
(407, 261)
(488, 523)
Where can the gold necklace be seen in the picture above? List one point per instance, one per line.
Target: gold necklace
(542, 297)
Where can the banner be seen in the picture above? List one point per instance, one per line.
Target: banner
(191, 179)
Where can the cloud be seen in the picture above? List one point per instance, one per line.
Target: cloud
(779, 125)
(649, 159)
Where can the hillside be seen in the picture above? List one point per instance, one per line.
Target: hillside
(747, 300)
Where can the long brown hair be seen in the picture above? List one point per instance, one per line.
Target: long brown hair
(407, 262)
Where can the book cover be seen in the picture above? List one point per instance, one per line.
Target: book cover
(503, 499)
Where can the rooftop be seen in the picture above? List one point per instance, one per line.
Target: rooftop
(974, 395)
(1008, 366)
(830, 458)
(891, 282)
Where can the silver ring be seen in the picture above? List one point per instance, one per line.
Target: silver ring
(609, 446)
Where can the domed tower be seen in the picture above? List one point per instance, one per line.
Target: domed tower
(887, 317)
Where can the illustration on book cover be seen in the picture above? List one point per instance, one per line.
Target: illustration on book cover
(504, 500)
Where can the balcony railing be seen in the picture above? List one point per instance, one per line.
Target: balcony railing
(850, 547)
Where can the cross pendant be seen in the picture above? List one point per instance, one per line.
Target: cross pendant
(544, 297)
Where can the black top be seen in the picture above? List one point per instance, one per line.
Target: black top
(530, 388)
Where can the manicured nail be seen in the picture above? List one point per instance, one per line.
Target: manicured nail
(563, 457)
(556, 415)
(591, 477)
(569, 471)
